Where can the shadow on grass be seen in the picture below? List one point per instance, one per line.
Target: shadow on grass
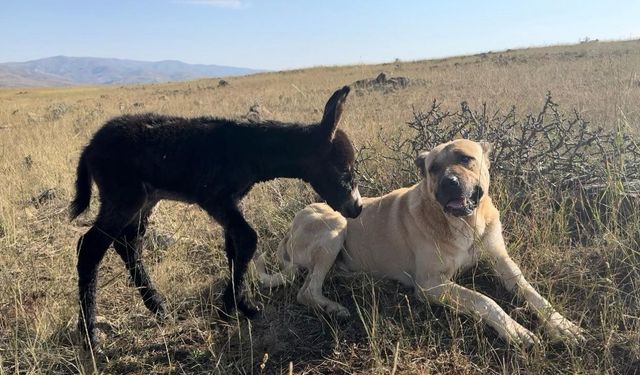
(195, 339)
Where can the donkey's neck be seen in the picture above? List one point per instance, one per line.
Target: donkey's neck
(287, 152)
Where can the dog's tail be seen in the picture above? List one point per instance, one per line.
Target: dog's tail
(287, 273)
(83, 188)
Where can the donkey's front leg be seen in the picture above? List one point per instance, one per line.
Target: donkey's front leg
(240, 245)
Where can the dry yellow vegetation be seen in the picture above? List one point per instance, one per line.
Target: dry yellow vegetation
(43, 130)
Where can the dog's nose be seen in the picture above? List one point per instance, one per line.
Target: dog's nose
(450, 181)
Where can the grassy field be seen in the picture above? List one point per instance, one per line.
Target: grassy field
(595, 283)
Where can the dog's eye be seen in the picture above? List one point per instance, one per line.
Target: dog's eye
(464, 159)
(434, 168)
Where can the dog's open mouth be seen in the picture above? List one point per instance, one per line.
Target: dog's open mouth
(459, 206)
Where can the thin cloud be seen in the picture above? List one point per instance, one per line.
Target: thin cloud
(229, 4)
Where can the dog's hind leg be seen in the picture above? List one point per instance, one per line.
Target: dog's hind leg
(129, 247)
(286, 274)
(323, 257)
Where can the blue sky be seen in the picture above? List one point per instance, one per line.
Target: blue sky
(278, 34)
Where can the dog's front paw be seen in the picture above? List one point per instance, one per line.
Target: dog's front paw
(337, 310)
(525, 338)
(519, 336)
(561, 328)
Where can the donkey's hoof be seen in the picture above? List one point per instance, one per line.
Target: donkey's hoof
(90, 347)
(155, 304)
(160, 313)
(92, 359)
(250, 310)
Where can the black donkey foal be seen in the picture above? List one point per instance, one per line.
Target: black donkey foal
(137, 160)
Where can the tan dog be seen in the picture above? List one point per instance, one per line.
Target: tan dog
(420, 236)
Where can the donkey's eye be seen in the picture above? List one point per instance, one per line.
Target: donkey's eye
(346, 177)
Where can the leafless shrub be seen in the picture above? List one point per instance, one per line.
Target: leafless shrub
(560, 157)
(56, 111)
(33, 117)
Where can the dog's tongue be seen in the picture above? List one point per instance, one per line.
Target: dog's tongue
(456, 203)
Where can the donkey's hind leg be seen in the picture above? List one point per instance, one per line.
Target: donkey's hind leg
(91, 249)
(129, 247)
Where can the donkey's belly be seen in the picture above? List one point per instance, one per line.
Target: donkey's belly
(156, 194)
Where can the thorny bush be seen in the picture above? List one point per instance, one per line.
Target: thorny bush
(560, 159)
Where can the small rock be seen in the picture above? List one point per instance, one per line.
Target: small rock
(33, 117)
(382, 82)
(28, 161)
(44, 196)
(256, 113)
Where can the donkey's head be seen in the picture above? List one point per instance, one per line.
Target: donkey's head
(332, 173)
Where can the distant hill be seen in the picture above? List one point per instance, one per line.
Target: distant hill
(65, 71)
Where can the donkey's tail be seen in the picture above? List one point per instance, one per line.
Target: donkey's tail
(83, 188)
(288, 272)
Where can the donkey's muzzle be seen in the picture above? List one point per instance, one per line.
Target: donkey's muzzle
(352, 212)
(353, 207)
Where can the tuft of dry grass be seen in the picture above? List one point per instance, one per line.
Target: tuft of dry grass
(594, 282)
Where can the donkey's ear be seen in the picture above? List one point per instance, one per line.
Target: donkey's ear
(420, 163)
(333, 111)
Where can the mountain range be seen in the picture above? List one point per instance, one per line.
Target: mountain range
(68, 71)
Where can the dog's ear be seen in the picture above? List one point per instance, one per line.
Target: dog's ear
(487, 147)
(420, 163)
(333, 111)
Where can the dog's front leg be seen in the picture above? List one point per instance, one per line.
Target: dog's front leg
(557, 325)
(478, 305)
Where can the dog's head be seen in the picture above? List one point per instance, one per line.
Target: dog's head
(456, 175)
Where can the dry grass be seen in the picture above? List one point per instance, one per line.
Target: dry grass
(43, 130)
